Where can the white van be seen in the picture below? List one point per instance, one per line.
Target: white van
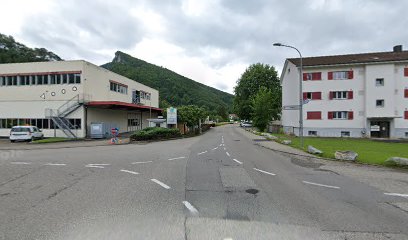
(25, 133)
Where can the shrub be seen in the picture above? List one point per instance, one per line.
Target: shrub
(155, 133)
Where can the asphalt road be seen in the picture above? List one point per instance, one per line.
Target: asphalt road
(217, 186)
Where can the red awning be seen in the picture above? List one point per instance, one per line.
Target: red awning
(121, 106)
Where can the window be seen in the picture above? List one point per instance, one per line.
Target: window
(340, 115)
(312, 76)
(379, 82)
(117, 87)
(64, 79)
(314, 115)
(33, 80)
(133, 122)
(340, 75)
(379, 103)
(312, 95)
(312, 133)
(2, 81)
(77, 78)
(345, 134)
(71, 78)
(24, 80)
(406, 134)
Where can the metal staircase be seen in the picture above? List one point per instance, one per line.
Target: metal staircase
(58, 116)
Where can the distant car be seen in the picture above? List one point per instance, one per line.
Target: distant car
(246, 124)
(25, 133)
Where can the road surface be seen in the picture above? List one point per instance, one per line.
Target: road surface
(221, 185)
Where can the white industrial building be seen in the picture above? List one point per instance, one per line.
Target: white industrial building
(63, 98)
(356, 95)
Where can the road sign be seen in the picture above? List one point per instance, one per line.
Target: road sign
(291, 107)
(171, 115)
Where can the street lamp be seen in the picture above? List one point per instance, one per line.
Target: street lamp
(300, 90)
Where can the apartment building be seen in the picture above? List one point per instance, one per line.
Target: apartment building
(63, 98)
(355, 95)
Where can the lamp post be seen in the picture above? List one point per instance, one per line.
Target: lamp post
(300, 90)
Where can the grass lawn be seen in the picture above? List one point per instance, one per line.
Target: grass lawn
(53, 140)
(221, 123)
(372, 152)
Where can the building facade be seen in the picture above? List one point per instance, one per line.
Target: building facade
(356, 95)
(63, 98)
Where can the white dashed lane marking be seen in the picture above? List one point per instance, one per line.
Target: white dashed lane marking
(262, 171)
(171, 159)
(55, 164)
(320, 185)
(93, 166)
(97, 165)
(215, 148)
(160, 183)
(228, 154)
(397, 195)
(127, 171)
(20, 163)
(142, 162)
(201, 153)
(237, 161)
(190, 207)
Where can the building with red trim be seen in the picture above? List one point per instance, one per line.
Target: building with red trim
(63, 98)
(355, 95)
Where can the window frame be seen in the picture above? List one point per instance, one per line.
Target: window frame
(382, 82)
(380, 106)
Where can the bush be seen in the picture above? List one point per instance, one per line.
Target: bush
(155, 133)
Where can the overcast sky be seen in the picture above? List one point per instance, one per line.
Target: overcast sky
(210, 41)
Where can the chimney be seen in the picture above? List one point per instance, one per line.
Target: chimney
(398, 48)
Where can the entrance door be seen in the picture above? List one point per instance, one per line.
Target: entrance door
(380, 129)
(133, 122)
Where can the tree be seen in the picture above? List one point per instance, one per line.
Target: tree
(222, 113)
(264, 108)
(191, 114)
(255, 76)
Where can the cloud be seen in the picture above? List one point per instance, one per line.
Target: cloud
(209, 41)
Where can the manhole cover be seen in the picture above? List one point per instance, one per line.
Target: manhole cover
(252, 191)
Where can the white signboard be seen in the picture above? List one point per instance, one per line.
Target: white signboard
(171, 115)
(375, 128)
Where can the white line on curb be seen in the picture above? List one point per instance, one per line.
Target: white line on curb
(320, 185)
(262, 171)
(201, 153)
(190, 207)
(237, 161)
(160, 183)
(171, 159)
(142, 162)
(55, 164)
(20, 163)
(127, 171)
(227, 154)
(397, 194)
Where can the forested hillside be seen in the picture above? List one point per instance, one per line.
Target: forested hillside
(15, 52)
(174, 89)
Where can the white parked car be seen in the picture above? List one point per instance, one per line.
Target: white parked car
(246, 124)
(25, 133)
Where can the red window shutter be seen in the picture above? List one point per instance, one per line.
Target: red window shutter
(406, 93)
(304, 76)
(330, 115)
(350, 115)
(317, 96)
(350, 95)
(406, 115)
(331, 95)
(314, 115)
(330, 75)
(406, 72)
(304, 95)
(318, 76)
(350, 75)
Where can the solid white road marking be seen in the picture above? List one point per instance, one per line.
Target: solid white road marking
(190, 207)
(93, 166)
(320, 185)
(237, 161)
(201, 153)
(98, 164)
(397, 194)
(127, 171)
(55, 164)
(215, 148)
(227, 154)
(221, 145)
(170, 159)
(160, 183)
(262, 171)
(20, 163)
(142, 162)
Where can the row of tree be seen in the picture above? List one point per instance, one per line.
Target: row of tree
(258, 95)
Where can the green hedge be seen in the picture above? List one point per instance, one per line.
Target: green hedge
(155, 133)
